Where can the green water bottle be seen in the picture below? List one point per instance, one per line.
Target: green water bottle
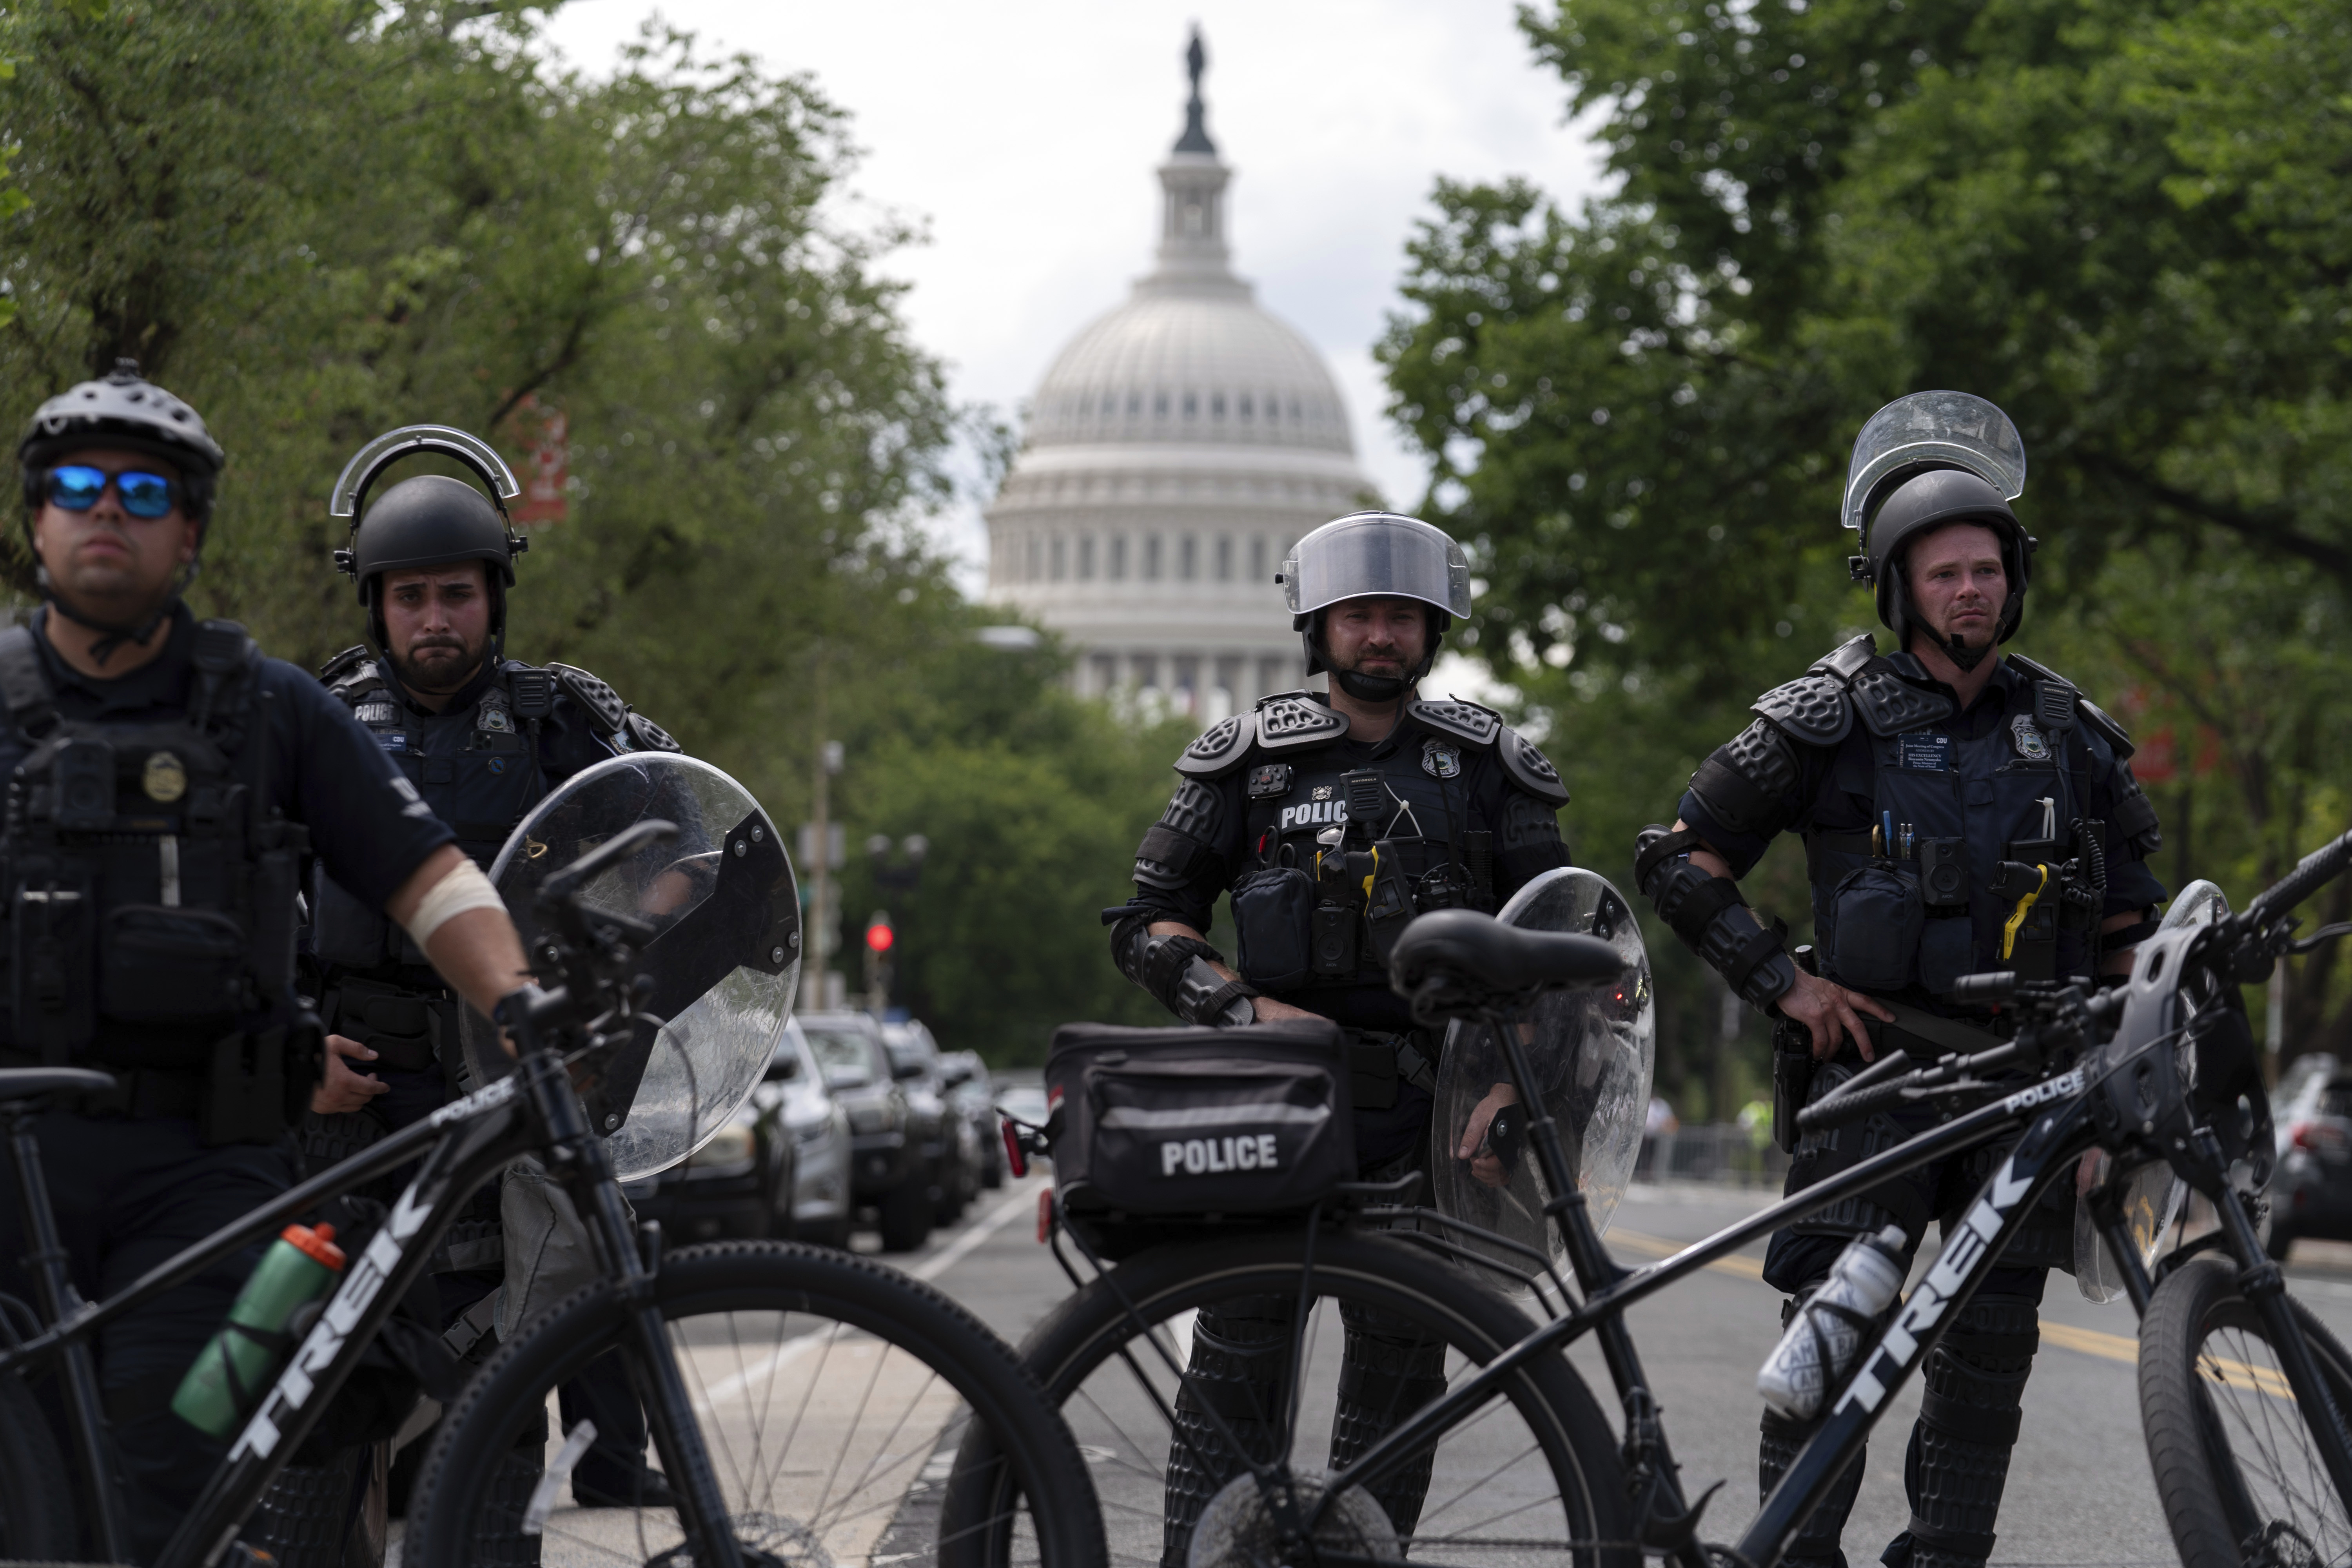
(240, 1361)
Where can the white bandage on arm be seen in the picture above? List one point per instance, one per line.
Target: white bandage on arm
(465, 887)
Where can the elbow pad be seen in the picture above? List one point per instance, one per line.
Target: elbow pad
(1707, 913)
(1175, 969)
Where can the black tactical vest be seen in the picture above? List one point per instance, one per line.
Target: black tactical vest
(1981, 857)
(149, 885)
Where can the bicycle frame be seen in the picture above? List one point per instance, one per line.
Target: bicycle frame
(534, 1111)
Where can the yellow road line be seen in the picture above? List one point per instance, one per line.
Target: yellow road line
(1659, 1247)
(2090, 1341)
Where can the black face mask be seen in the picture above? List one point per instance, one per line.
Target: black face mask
(1373, 687)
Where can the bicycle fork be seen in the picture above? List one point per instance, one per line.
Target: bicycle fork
(653, 1366)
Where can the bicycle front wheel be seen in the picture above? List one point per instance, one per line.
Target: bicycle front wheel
(1140, 1357)
(2235, 1460)
(831, 1393)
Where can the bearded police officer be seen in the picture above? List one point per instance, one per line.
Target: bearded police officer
(483, 738)
(168, 781)
(1296, 808)
(1962, 811)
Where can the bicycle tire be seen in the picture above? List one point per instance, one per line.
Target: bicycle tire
(2231, 1494)
(956, 1363)
(1078, 1341)
(38, 1519)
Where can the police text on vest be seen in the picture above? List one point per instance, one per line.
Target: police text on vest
(1199, 1157)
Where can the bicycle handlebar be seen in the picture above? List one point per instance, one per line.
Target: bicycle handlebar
(2313, 872)
(1845, 1109)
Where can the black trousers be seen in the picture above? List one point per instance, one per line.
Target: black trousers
(129, 1193)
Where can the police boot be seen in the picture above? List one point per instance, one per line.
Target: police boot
(303, 1517)
(1958, 1457)
(1241, 1353)
(1388, 1371)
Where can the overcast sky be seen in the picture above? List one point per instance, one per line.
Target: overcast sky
(1023, 135)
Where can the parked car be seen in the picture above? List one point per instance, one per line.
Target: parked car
(888, 1172)
(971, 1092)
(2311, 1190)
(947, 1141)
(818, 1125)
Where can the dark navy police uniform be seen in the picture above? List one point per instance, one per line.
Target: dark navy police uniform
(176, 802)
(1927, 828)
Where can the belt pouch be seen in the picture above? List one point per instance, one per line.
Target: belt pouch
(163, 965)
(245, 1094)
(397, 1025)
(1876, 942)
(1371, 1070)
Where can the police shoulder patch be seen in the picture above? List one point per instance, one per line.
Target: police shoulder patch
(1294, 722)
(1218, 750)
(1812, 708)
(1889, 704)
(1462, 720)
(606, 711)
(1529, 769)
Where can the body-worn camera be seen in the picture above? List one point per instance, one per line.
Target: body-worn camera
(83, 776)
(1943, 873)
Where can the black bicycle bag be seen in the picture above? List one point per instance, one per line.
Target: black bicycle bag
(1162, 1123)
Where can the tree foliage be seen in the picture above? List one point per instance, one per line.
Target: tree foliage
(2124, 223)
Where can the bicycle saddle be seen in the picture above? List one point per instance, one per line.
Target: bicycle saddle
(1454, 962)
(30, 1083)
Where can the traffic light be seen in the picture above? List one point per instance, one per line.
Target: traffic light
(879, 934)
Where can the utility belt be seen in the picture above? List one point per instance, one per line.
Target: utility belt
(1380, 1065)
(1926, 1037)
(256, 1087)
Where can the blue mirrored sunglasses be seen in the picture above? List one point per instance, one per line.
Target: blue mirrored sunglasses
(75, 487)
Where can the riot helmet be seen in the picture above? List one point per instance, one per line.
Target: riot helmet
(1924, 461)
(429, 520)
(1374, 555)
(120, 411)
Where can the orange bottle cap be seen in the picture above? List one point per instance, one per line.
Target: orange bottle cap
(318, 1244)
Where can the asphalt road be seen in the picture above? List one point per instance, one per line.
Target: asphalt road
(2079, 1492)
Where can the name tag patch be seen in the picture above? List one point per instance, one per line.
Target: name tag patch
(397, 741)
(1926, 751)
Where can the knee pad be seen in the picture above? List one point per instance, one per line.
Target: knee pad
(1388, 1370)
(1237, 1367)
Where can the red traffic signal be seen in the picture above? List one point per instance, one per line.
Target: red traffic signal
(879, 934)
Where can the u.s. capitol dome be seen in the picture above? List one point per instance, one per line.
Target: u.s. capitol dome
(1174, 450)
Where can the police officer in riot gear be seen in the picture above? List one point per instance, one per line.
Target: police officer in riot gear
(1295, 808)
(168, 781)
(483, 738)
(1962, 811)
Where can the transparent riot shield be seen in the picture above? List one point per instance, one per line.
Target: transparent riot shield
(2153, 1197)
(724, 962)
(1933, 429)
(1591, 1052)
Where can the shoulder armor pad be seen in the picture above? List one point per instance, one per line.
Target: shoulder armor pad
(1290, 723)
(343, 663)
(1281, 696)
(1462, 720)
(1529, 769)
(1846, 659)
(1219, 749)
(1812, 708)
(645, 735)
(2109, 730)
(605, 710)
(1889, 704)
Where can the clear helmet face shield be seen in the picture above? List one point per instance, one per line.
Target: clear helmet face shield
(1591, 1052)
(2152, 1200)
(1933, 429)
(724, 963)
(1377, 554)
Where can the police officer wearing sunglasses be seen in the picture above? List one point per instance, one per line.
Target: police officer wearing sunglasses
(483, 738)
(1333, 818)
(170, 784)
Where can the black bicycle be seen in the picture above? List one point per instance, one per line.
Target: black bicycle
(1476, 1442)
(801, 1401)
